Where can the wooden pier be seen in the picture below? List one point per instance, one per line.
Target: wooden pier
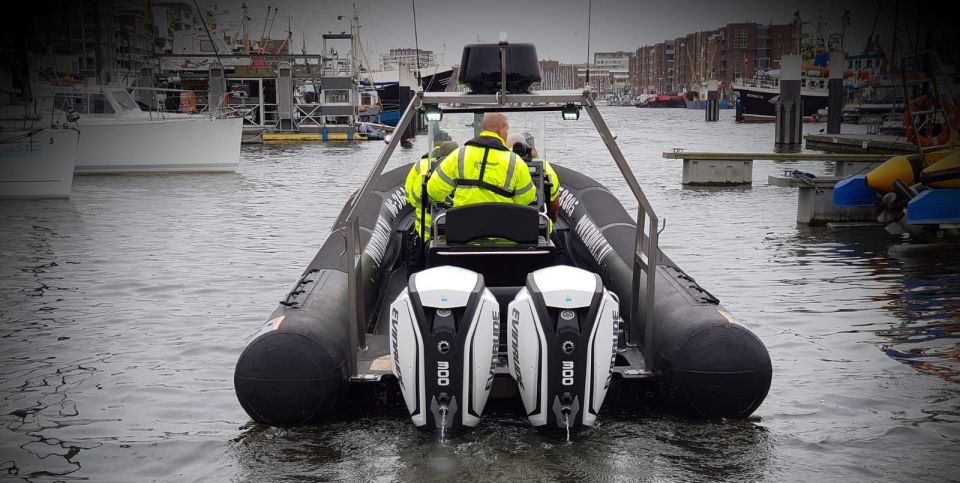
(734, 169)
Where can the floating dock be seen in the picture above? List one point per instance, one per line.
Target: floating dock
(815, 201)
(736, 169)
(860, 143)
(271, 137)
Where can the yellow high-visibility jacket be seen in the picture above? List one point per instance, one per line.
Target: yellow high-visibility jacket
(482, 171)
(413, 187)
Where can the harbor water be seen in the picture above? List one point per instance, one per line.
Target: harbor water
(124, 310)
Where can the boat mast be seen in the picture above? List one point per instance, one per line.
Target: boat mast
(797, 31)
(364, 62)
(893, 47)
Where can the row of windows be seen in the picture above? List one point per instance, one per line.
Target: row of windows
(860, 64)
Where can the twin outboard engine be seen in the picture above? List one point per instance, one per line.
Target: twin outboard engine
(562, 339)
(562, 344)
(444, 334)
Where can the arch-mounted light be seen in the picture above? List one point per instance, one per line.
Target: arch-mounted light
(433, 113)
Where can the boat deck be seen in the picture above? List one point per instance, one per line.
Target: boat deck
(375, 364)
(860, 143)
(375, 387)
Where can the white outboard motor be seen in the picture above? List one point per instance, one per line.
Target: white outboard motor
(561, 345)
(444, 333)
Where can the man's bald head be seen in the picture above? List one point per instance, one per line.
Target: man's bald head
(495, 122)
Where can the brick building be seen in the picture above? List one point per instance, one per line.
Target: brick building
(733, 51)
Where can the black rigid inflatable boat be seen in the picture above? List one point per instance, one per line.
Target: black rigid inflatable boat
(559, 319)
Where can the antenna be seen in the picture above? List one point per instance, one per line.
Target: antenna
(416, 42)
(204, 22)
(589, 13)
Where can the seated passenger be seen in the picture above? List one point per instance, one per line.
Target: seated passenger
(413, 186)
(484, 170)
(524, 144)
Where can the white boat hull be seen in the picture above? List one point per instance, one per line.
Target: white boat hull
(40, 166)
(173, 145)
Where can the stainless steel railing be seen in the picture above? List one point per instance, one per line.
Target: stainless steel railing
(646, 253)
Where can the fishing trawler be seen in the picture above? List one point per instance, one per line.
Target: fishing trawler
(562, 317)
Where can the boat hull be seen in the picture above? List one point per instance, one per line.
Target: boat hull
(389, 93)
(664, 101)
(702, 104)
(757, 102)
(172, 145)
(39, 166)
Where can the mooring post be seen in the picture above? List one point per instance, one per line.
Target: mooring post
(835, 92)
(407, 81)
(713, 101)
(285, 107)
(216, 88)
(147, 95)
(789, 125)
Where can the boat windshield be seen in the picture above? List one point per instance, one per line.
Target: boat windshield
(124, 100)
(83, 103)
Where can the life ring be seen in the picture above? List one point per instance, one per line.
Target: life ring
(929, 134)
(940, 139)
(188, 101)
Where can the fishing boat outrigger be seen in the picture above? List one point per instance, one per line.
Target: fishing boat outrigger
(499, 304)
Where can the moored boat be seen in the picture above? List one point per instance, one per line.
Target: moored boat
(387, 86)
(38, 163)
(119, 137)
(758, 95)
(663, 100)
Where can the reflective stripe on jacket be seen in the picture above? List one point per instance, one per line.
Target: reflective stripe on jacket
(482, 171)
(413, 187)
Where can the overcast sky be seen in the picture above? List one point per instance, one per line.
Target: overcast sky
(557, 27)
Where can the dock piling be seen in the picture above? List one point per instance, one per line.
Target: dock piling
(216, 88)
(789, 123)
(147, 96)
(713, 101)
(835, 93)
(407, 86)
(285, 107)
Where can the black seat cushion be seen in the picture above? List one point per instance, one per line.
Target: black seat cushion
(517, 223)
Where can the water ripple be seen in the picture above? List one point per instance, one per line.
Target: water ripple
(124, 309)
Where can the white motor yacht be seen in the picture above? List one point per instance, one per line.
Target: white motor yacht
(119, 137)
